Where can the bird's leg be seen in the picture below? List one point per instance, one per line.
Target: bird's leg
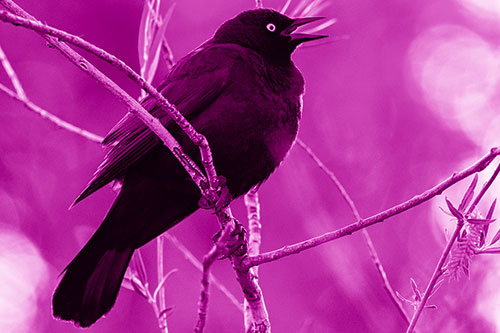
(237, 244)
(223, 200)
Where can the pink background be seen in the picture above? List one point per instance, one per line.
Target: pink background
(404, 95)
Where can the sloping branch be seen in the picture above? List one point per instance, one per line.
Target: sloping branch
(439, 269)
(55, 38)
(377, 218)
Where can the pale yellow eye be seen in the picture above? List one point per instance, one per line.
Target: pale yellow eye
(271, 27)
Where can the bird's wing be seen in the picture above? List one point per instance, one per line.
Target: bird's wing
(193, 84)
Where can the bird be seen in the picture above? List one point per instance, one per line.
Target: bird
(242, 91)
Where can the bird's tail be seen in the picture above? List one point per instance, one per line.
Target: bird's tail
(91, 282)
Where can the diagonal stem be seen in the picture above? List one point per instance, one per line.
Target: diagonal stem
(377, 218)
(12, 75)
(438, 271)
(368, 240)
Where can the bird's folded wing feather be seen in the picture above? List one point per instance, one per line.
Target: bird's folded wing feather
(193, 84)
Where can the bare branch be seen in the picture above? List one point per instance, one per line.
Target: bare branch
(377, 218)
(254, 241)
(216, 251)
(159, 294)
(20, 96)
(438, 271)
(52, 118)
(485, 188)
(254, 226)
(12, 75)
(196, 263)
(248, 283)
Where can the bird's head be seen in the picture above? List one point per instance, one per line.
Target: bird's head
(266, 31)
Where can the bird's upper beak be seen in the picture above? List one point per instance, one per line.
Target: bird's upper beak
(297, 38)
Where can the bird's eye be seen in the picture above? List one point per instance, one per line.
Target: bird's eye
(271, 27)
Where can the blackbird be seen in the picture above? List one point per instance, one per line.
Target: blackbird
(242, 91)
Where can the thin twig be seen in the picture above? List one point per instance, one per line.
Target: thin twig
(198, 139)
(377, 218)
(491, 250)
(214, 253)
(368, 240)
(162, 319)
(259, 4)
(190, 257)
(21, 96)
(168, 55)
(52, 118)
(12, 75)
(438, 271)
(483, 190)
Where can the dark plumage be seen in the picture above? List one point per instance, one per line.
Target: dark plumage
(242, 91)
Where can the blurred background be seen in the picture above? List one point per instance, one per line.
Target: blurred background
(404, 94)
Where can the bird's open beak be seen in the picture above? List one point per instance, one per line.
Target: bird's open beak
(297, 38)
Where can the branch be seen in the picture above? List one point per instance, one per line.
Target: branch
(439, 270)
(216, 251)
(196, 263)
(368, 240)
(54, 36)
(160, 294)
(254, 226)
(136, 280)
(20, 96)
(50, 117)
(254, 241)
(249, 284)
(347, 230)
(12, 75)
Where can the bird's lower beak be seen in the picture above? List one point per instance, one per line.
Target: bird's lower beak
(297, 38)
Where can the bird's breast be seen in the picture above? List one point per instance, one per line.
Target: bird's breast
(252, 124)
(253, 131)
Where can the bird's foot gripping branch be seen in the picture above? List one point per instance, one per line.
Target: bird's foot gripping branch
(217, 199)
(236, 244)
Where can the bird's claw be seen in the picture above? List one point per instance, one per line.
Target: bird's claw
(236, 245)
(222, 200)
